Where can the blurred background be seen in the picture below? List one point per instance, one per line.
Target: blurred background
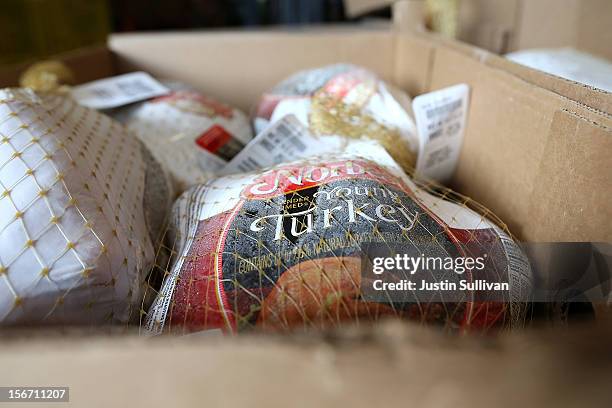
(575, 34)
(39, 28)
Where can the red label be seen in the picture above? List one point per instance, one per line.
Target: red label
(287, 179)
(214, 138)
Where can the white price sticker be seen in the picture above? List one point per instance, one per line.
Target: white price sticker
(441, 119)
(283, 141)
(289, 140)
(118, 90)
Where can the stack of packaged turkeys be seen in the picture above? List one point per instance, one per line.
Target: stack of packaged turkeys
(173, 216)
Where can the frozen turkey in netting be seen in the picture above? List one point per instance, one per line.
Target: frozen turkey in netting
(283, 248)
(74, 243)
(344, 100)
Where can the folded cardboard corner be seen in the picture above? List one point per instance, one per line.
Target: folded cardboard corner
(513, 152)
(503, 26)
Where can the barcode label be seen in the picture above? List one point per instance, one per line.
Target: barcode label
(279, 143)
(438, 156)
(441, 118)
(102, 93)
(134, 87)
(435, 134)
(296, 142)
(519, 270)
(118, 91)
(284, 141)
(266, 144)
(443, 110)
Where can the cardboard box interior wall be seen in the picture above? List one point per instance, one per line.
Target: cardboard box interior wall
(537, 148)
(510, 25)
(503, 26)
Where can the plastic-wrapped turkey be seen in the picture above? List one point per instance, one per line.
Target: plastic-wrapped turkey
(75, 242)
(289, 247)
(190, 134)
(344, 100)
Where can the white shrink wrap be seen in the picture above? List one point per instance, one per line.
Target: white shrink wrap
(190, 134)
(74, 243)
(344, 100)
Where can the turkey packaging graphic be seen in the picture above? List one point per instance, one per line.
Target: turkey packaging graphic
(283, 249)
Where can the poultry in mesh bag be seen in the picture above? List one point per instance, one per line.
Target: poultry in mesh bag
(344, 100)
(75, 238)
(190, 134)
(292, 246)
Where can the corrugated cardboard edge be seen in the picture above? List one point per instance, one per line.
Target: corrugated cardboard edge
(587, 95)
(393, 364)
(237, 67)
(518, 121)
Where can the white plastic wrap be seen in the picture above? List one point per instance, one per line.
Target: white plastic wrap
(344, 100)
(190, 134)
(74, 244)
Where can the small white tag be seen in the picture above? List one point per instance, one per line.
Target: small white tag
(283, 141)
(289, 140)
(118, 90)
(441, 119)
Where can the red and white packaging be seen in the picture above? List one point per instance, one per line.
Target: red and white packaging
(280, 249)
(344, 100)
(190, 134)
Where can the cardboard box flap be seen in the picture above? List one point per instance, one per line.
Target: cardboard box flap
(357, 367)
(584, 94)
(490, 24)
(509, 137)
(574, 205)
(237, 67)
(582, 24)
(503, 26)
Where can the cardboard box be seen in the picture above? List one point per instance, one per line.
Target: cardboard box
(537, 152)
(503, 26)
(392, 365)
